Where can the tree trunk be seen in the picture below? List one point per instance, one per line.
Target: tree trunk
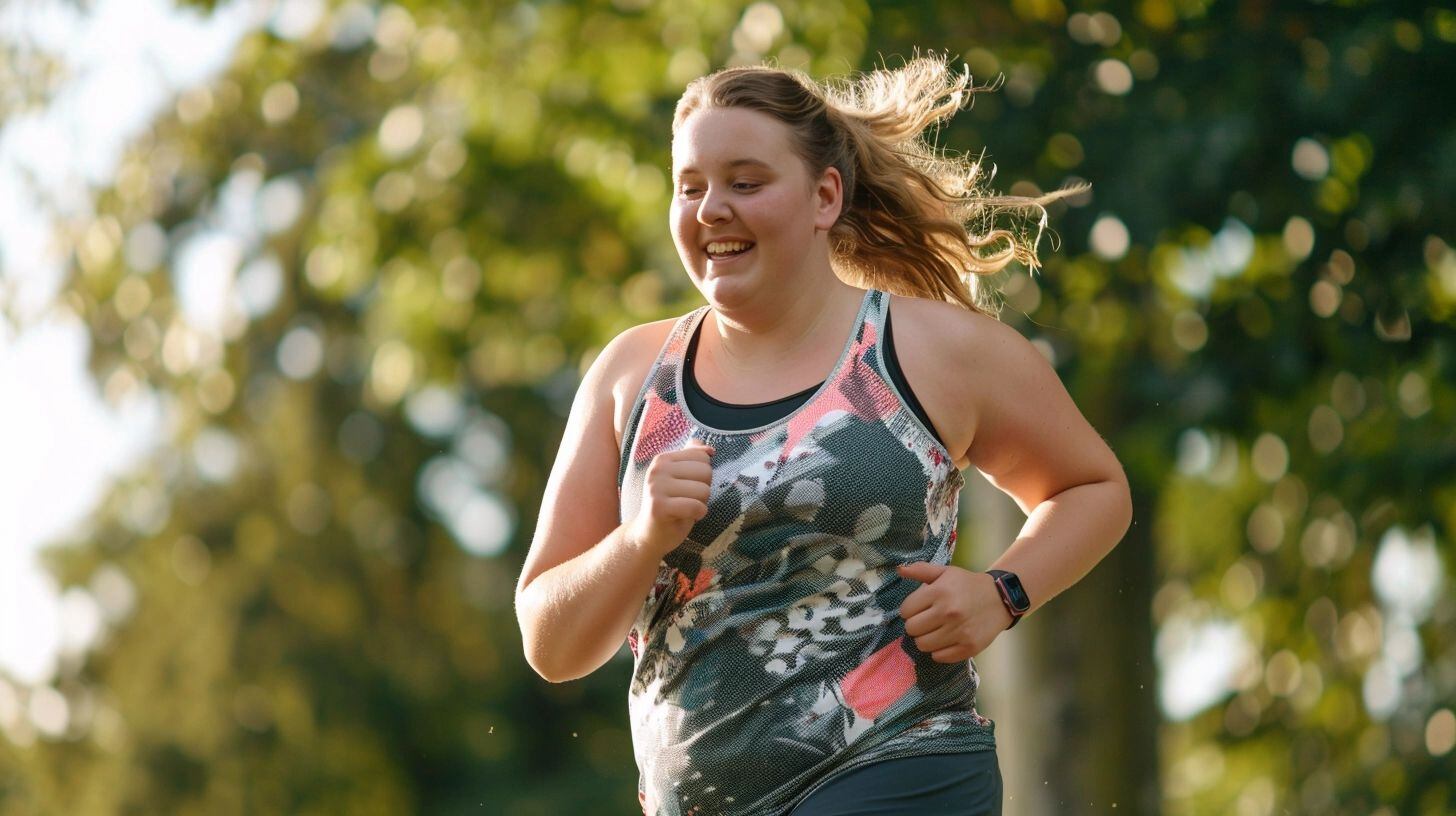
(1071, 688)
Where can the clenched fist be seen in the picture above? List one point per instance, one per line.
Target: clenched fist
(674, 498)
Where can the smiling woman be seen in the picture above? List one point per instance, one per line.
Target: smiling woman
(779, 566)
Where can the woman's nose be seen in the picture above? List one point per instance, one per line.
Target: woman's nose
(713, 209)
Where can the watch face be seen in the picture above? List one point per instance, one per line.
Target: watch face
(1018, 595)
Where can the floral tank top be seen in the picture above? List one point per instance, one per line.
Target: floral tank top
(770, 654)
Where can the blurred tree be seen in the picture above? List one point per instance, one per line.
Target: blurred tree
(1257, 313)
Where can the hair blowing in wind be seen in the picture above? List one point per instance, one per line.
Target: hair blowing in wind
(917, 219)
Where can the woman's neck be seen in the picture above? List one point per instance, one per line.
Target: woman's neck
(756, 337)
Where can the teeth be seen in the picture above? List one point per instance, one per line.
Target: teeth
(718, 247)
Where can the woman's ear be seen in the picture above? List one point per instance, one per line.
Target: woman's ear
(828, 199)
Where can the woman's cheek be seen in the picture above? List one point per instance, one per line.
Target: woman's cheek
(679, 234)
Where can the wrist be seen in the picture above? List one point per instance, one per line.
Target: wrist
(640, 542)
(1010, 618)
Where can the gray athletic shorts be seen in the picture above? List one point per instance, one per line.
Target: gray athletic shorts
(965, 783)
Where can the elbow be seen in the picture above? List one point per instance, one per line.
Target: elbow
(540, 662)
(550, 673)
(1123, 504)
(530, 643)
(1114, 505)
(541, 670)
(552, 668)
(543, 661)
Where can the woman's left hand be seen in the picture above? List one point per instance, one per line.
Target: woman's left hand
(955, 614)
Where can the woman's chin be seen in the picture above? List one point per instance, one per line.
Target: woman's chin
(716, 270)
(725, 288)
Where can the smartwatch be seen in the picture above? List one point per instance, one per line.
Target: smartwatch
(1012, 595)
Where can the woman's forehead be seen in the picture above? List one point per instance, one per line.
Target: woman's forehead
(725, 138)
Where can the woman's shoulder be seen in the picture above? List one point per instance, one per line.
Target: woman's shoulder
(934, 337)
(633, 352)
(945, 322)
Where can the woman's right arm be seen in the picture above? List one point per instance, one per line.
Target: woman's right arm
(587, 576)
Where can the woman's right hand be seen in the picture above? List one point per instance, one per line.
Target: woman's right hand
(674, 498)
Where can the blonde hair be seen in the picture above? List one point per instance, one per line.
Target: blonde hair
(915, 220)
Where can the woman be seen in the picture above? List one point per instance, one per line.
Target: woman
(779, 565)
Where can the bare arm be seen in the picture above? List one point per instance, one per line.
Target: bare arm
(575, 616)
(587, 575)
(1033, 443)
(583, 580)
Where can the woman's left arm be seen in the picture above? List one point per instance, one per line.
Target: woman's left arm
(1031, 441)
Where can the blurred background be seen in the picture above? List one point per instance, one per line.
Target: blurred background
(296, 296)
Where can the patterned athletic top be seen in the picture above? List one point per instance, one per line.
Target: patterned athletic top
(770, 653)
(729, 416)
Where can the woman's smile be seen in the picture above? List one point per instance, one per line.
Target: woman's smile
(726, 253)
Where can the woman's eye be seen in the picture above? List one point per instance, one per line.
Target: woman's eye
(687, 191)
(746, 185)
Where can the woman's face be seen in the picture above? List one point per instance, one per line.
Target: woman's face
(745, 210)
